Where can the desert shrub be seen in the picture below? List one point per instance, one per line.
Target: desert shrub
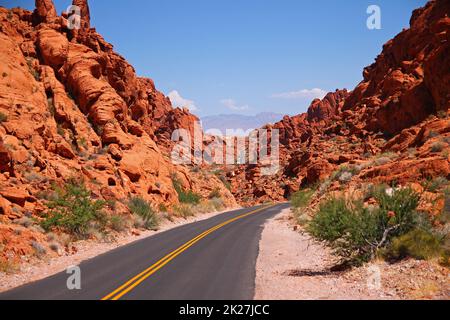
(118, 223)
(344, 173)
(225, 182)
(162, 208)
(144, 211)
(183, 210)
(8, 266)
(215, 193)
(381, 161)
(73, 210)
(301, 198)
(203, 207)
(217, 203)
(25, 221)
(356, 232)
(418, 243)
(184, 196)
(39, 249)
(3, 117)
(435, 184)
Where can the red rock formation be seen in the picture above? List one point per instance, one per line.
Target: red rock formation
(401, 106)
(72, 107)
(85, 14)
(409, 79)
(45, 10)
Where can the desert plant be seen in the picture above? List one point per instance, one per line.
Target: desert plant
(184, 196)
(74, 211)
(25, 222)
(215, 193)
(183, 210)
(217, 203)
(301, 198)
(39, 249)
(162, 208)
(435, 184)
(418, 243)
(344, 173)
(143, 210)
(118, 223)
(356, 232)
(8, 266)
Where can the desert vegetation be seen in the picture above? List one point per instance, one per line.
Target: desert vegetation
(384, 222)
(72, 210)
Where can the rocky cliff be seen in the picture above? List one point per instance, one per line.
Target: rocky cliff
(71, 107)
(393, 127)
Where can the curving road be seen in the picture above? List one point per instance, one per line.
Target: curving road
(213, 259)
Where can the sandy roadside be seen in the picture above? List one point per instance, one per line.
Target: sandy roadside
(291, 266)
(85, 250)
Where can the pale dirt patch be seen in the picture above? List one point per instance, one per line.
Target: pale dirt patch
(84, 250)
(285, 252)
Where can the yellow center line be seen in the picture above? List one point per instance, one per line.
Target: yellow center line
(135, 281)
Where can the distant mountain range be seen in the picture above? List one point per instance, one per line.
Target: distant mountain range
(223, 122)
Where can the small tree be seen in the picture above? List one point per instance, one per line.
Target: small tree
(356, 232)
(73, 210)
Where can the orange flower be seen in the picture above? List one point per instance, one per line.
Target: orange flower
(391, 214)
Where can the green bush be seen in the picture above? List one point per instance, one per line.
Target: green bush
(183, 195)
(301, 199)
(73, 210)
(418, 243)
(356, 232)
(143, 210)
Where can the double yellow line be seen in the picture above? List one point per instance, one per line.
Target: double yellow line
(135, 281)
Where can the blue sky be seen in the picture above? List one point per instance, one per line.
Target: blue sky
(235, 56)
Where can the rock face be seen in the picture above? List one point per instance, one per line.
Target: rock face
(72, 107)
(393, 127)
(409, 79)
(45, 10)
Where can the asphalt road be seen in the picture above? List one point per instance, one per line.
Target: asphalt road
(213, 259)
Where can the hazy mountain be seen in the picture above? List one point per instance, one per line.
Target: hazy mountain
(223, 122)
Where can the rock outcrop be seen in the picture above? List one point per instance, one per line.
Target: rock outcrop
(393, 127)
(70, 107)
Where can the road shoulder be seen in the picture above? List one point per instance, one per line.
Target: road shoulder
(291, 266)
